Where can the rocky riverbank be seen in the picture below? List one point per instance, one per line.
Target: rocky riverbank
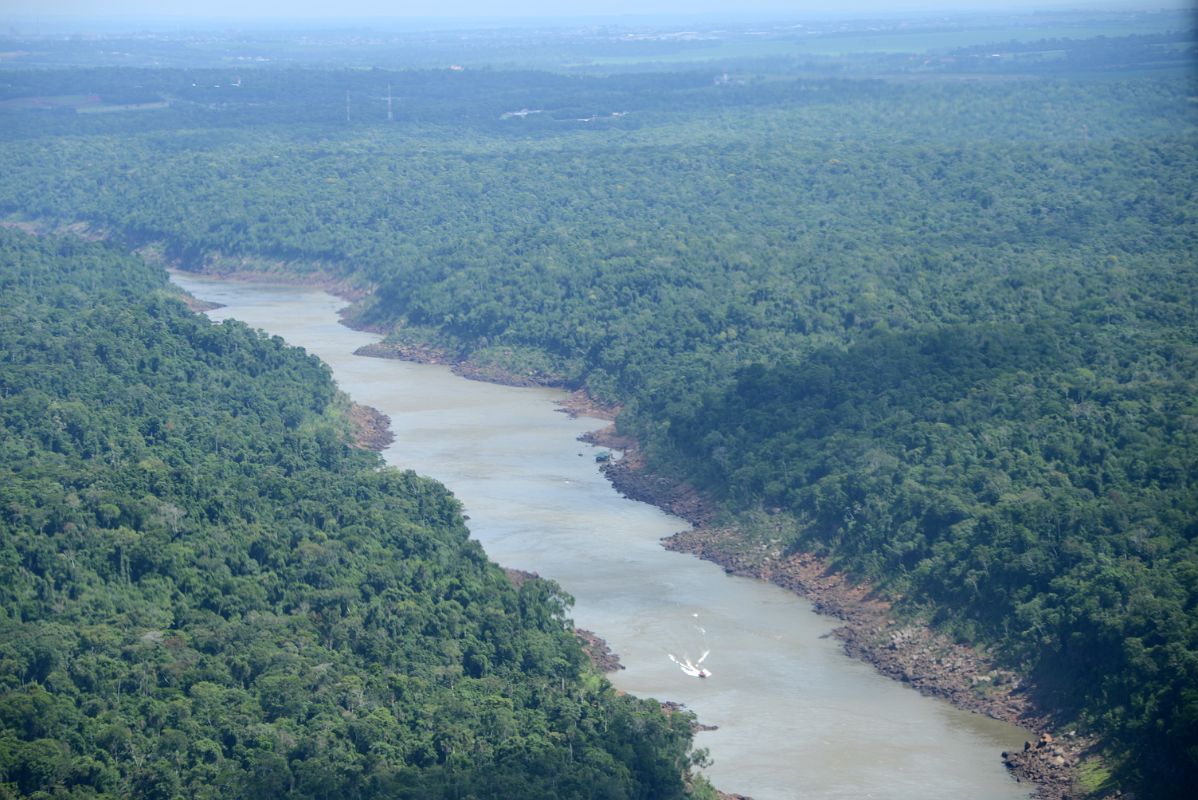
(630, 477)
(931, 663)
(913, 654)
(1049, 763)
(261, 269)
(418, 354)
(421, 353)
(371, 427)
(598, 651)
(580, 404)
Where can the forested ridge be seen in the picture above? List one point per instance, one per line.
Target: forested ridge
(942, 331)
(206, 592)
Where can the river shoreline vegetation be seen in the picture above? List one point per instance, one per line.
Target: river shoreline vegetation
(209, 592)
(930, 314)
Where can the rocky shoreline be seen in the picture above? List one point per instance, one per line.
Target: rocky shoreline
(1050, 764)
(421, 353)
(930, 663)
(580, 404)
(371, 427)
(262, 269)
(418, 354)
(630, 477)
(598, 651)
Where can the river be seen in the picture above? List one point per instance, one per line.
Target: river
(796, 717)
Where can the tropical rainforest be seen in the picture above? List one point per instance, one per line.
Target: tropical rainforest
(934, 318)
(205, 591)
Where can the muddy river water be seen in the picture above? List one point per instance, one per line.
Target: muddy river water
(796, 718)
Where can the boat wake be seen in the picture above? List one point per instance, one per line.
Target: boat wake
(693, 668)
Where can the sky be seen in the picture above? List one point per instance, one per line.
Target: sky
(517, 9)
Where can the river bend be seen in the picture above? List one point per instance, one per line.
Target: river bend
(796, 718)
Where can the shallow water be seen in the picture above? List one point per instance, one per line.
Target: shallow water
(796, 717)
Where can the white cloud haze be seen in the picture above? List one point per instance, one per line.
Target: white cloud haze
(399, 9)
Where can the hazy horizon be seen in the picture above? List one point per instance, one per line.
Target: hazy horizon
(315, 11)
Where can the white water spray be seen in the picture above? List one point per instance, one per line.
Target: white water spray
(684, 661)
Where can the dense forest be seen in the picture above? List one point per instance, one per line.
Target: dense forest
(938, 323)
(206, 592)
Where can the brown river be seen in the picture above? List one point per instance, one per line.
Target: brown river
(796, 717)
